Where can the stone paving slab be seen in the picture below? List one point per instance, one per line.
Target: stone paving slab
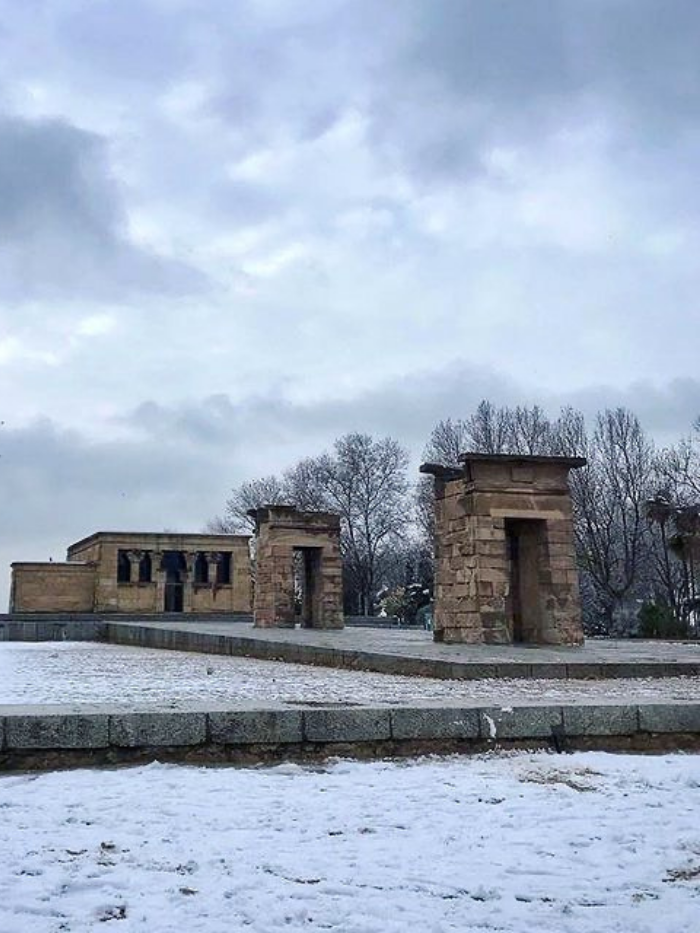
(413, 653)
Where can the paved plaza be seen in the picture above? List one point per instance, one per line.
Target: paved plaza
(411, 652)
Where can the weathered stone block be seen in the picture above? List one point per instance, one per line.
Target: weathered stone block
(600, 719)
(347, 725)
(137, 729)
(256, 727)
(520, 722)
(37, 728)
(669, 717)
(434, 723)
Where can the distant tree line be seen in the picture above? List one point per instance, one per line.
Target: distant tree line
(636, 507)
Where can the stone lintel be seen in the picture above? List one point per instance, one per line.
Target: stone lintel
(533, 459)
(539, 514)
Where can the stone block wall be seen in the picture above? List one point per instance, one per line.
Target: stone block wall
(52, 587)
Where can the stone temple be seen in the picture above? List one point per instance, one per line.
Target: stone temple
(504, 542)
(139, 573)
(504, 547)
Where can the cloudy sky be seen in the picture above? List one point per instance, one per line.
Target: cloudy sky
(231, 230)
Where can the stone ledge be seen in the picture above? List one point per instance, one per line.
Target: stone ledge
(434, 723)
(256, 727)
(201, 730)
(28, 729)
(519, 722)
(612, 719)
(664, 717)
(357, 724)
(138, 729)
(387, 662)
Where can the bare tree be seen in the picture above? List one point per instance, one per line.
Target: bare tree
(679, 467)
(365, 481)
(424, 505)
(610, 496)
(362, 479)
(269, 490)
(489, 429)
(528, 430)
(448, 440)
(303, 485)
(492, 430)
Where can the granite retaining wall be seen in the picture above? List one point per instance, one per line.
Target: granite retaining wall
(36, 737)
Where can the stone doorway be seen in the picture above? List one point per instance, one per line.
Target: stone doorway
(524, 540)
(307, 567)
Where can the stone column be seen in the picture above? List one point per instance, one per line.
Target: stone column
(213, 561)
(134, 563)
(274, 586)
(158, 577)
(188, 581)
(328, 595)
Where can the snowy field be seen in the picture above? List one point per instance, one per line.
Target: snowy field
(582, 843)
(86, 672)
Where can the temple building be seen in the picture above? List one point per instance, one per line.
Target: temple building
(133, 572)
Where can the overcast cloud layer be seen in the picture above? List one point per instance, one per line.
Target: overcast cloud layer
(231, 230)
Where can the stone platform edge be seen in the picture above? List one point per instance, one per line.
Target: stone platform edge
(56, 736)
(131, 633)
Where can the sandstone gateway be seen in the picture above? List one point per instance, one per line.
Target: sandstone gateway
(505, 563)
(298, 568)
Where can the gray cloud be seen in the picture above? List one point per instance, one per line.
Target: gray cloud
(467, 76)
(62, 225)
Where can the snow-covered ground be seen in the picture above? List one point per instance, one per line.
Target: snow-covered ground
(582, 843)
(86, 672)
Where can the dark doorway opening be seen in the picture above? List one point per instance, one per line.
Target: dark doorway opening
(524, 540)
(223, 569)
(175, 568)
(145, 568)
(201, 569)
(307, 589)
(123, 567)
